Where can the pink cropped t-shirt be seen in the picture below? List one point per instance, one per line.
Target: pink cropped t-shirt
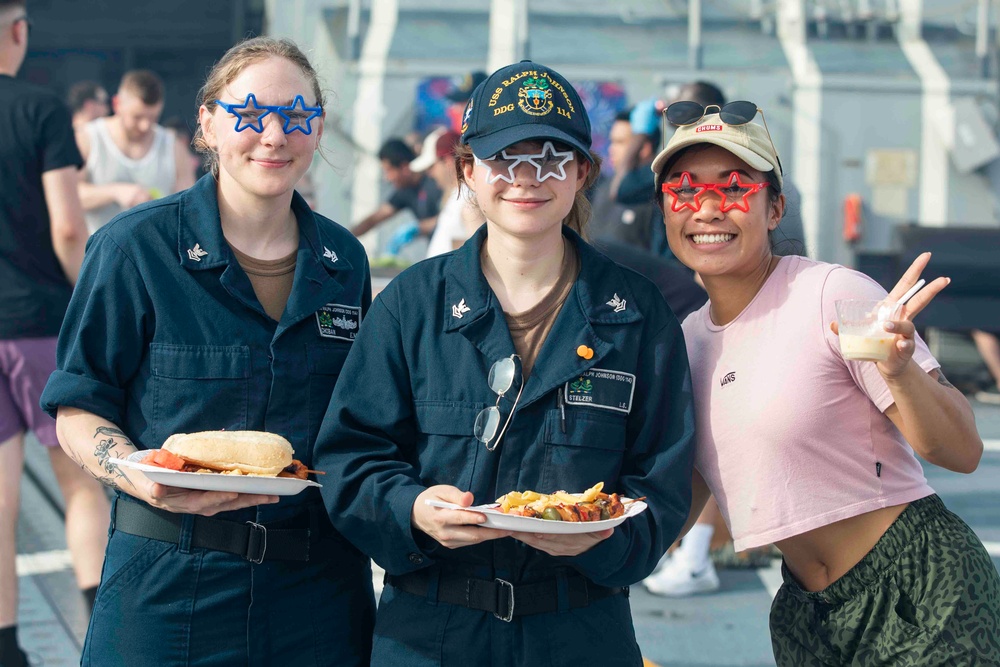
(791, 436)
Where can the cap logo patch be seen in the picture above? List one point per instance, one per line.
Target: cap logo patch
(709, 128)
(536, 95)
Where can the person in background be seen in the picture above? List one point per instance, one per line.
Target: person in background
(42, 237)
(130, 158)
(626, 232)
(459, 96)
(634, 223)
(415, 192)
(87, 100)
(458, 219)
(525, 325)
(186, 137)
(988, 346)
(228, 306)
(811, 450)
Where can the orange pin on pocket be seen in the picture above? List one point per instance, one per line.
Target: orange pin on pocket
(585, 352)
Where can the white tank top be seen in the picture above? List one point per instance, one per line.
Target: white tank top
(107, 164)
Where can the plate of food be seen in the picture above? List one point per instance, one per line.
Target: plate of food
(240, 461)
(558, 513)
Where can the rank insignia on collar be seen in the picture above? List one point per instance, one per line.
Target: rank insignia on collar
(460, 309)
(617, 303)
(196, 253)
(329, 254)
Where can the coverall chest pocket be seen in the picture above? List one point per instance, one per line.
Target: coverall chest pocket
(446, 448)
(587, 451)
(325, 363)
(199, 388)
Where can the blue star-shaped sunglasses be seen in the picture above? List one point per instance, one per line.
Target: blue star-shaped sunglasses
(250, 115)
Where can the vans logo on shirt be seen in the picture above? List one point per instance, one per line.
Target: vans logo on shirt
(728, 378)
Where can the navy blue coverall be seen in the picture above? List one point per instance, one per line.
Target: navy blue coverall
(404, 422)
(164, 335)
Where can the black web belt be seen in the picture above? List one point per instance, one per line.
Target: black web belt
(503, 599)
(253, 541)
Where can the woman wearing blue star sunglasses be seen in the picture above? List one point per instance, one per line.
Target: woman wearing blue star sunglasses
(229, 306)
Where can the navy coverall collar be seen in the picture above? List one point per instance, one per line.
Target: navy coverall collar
(600, 296)
(201, 245)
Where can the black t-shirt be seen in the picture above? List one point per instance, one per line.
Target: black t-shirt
(424, 199)
(36, 136)
(627, 223)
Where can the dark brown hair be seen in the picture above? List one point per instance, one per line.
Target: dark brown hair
(579, 215)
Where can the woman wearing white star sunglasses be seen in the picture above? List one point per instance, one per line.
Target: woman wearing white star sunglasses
(522, 361)
(810, 450)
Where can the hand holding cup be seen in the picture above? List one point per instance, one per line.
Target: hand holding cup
(883, 331)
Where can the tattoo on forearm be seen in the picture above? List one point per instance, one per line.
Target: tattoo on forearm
(107, 439)
(943, 381)
(76, 457)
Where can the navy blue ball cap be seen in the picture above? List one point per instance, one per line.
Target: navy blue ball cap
(521, 102)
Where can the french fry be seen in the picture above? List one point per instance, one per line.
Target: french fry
(590, 494)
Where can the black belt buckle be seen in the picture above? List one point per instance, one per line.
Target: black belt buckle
(256, 543)
(505, 592)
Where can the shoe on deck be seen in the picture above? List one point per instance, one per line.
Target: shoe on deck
(676, 579)
(989, 395)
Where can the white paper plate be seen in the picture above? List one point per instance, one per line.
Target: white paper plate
(272, 486)
(525, 524)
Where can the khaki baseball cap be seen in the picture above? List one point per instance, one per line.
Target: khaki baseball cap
(438, 144)
(749, 142)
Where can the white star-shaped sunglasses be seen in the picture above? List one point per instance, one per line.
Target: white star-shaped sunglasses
(550, 163)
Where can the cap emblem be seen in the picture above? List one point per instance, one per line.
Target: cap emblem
(709, 128)
(534, 97)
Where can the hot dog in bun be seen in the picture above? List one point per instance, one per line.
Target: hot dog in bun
(227, 452)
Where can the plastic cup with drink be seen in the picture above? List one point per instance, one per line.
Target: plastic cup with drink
(861, 326)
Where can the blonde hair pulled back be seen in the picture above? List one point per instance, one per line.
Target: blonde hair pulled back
(231, 65)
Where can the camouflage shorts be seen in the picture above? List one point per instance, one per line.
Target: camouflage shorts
(927, 594)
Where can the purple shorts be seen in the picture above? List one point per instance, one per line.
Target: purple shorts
(25, 366)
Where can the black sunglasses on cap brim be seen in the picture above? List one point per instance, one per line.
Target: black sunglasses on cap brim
(739, 112)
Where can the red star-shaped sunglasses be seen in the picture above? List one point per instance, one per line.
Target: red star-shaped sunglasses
(686, 194)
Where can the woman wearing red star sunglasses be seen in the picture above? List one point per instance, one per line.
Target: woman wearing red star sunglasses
(806, 449)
